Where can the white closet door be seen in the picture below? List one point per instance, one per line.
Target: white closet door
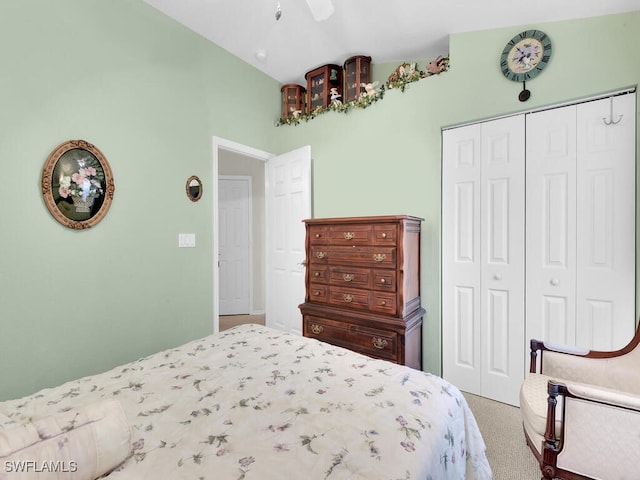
(580, 282)
(483, 258)
(551, 225)
(461, 264)
(605, 301)
(502, 243)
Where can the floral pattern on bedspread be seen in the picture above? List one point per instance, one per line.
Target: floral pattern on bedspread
(255, 403)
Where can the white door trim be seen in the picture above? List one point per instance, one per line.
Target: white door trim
(219, 144)
(613, 93)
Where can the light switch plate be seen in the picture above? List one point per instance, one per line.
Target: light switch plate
(186, 240)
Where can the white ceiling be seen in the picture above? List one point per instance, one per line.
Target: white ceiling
(388, 31)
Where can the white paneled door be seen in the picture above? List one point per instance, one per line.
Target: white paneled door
(288, 204)
(553, 261)
(483, 257)
(581, 215)
(234, 194)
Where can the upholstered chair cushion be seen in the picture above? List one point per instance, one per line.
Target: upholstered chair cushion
(533, 408)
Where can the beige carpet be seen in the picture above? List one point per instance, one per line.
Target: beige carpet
(500, 425)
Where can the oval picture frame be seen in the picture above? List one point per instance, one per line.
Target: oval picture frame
(194, 188)
(77, 184)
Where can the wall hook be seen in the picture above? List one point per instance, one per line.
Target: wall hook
(611, 121)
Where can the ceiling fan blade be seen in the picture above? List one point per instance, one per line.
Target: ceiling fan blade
(320, 9)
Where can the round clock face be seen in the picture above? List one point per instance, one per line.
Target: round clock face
(525, 55)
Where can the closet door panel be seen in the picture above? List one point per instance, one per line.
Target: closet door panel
(551, 225)
(502, 262)
(461, 255)
(606, 222)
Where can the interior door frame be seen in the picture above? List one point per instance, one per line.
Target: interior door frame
(221, 144)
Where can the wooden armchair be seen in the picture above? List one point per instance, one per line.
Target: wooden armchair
(581, 411)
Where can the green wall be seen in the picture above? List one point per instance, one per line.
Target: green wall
(151, 94)
(386, 159)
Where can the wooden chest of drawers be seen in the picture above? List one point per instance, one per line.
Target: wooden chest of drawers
(363, 285)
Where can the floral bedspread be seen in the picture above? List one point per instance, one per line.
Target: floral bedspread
(256, 403)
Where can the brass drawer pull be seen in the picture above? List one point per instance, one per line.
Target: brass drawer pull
(317, 235)
(347, 298)
(379, 257)
(347, 277)
(383, 281)
(317, 329)
(316, 274)
(348, 235)
(379, 343)
(384, 235)
(383, 303)
(316, 293)
(321, 255)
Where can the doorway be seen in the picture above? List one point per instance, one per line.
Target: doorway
(234, 161)
(278, 251)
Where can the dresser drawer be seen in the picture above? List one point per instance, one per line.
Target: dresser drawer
(356, 234)
(383, 303)
(384, 257)
(377, 279)
(384, 280)
(385, 234)
(351, 277)
(369, 341)
(318, 293)
(318, 234)
(362, 300)
(318, 273)
(350, 298)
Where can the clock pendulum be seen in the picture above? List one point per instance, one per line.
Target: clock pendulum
(524, 94)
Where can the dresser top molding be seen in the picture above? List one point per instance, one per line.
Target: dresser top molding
(367, 219)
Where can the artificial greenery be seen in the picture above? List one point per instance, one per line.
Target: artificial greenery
(405, 74)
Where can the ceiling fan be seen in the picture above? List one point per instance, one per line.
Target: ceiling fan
(320, 9)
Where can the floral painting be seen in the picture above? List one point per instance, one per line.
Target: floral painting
(80, 181)
(77, 184)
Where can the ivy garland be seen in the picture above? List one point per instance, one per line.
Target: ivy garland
(405, 74)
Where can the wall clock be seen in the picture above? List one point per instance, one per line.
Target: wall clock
(525, 56)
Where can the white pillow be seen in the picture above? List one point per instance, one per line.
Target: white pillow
(82, 443)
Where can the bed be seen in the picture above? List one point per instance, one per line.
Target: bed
(254, 403)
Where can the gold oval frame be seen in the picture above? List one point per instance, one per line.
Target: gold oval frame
(77, 205)
(194, 196)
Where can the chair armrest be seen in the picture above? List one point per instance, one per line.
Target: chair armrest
(542, 346)
(596, 423)
(608, 396)
(556, 347)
